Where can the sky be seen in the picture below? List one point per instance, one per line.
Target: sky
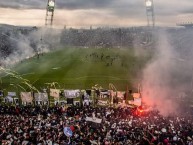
(84, 13)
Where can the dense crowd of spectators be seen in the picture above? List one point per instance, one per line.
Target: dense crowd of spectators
(103, 37)
(120, 126)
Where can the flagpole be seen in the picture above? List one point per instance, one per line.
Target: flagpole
(48, 91)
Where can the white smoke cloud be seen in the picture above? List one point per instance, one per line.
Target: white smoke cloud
(44, 39)
(157, 78)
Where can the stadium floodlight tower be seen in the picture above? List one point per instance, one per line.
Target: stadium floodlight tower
(50, 13)
(150, 13)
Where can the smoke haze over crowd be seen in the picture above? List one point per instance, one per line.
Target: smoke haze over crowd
(168, 76)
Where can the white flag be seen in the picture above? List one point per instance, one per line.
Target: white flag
(112, 93)
(101, 102)
(55, 93)
(120, 94)
(95, 120)
(9, 99)
(71, 93)
(44, 97)
(136, 95)
(104, 94)
(26, 97)
(37, 97)
(41, 97)
(137, 101)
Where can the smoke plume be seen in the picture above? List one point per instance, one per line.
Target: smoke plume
(158, 77)
(28, 45)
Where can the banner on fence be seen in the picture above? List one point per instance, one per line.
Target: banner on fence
(41, 97)
(136, 95)
(9, 99)
(137, 101)
(55, 93)
(101, 102)
(94, 119)
(113, 93)
(120, 94)
(104, 93)
(71, 93)
(26, 97)
(12, 94)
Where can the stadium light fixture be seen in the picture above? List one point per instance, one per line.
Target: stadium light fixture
(148, 3)
(50, 12)
(51, 4)
(150, 12)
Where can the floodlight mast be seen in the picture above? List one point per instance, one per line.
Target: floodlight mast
(150, 13)
(50, 13)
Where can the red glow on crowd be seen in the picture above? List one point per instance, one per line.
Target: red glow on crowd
(140, 111)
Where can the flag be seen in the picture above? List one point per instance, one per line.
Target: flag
(71, 93)
(93, 142)
(37, 97)
(101, 102)
(55, 93)
(120, 94)
(9, 99)
(136, 95)
(44, 97)
(112, 93)
(137, 101)
(26, 97)
(12, 94)
(104, 93)
(68, 132)
(95, 120)
(131, 102)
(41, 97)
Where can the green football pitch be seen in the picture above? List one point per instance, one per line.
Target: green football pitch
(78, 68)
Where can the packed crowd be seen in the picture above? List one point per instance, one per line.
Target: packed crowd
(119, 126)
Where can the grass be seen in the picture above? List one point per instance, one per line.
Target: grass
(79, 68)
